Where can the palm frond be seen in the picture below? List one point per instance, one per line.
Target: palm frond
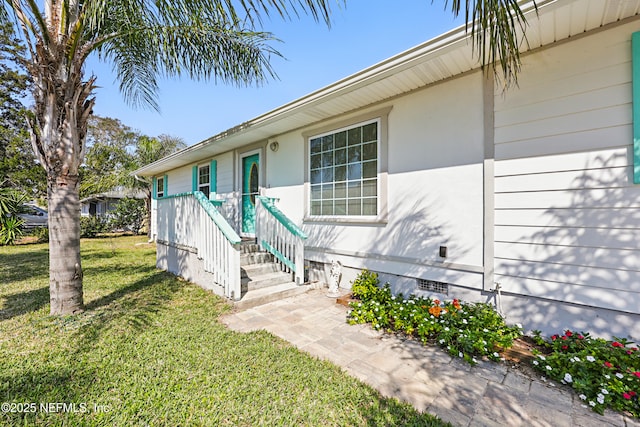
(175, 39)
(496, 27)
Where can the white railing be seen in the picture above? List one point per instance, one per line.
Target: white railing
(278, 235)
(191, 222)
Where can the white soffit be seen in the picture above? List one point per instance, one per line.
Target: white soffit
(438, 59)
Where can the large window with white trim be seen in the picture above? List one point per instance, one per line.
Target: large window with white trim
(343, 171)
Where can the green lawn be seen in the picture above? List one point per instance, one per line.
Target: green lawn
(149, 350)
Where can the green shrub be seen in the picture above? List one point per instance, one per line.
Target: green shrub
(90, 226)
(10, 229)
(11, 203)
(41, 233)
(129, 214)
(465, 330)
(604, 373)
(365, 285)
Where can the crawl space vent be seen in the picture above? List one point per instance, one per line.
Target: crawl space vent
(433, 286)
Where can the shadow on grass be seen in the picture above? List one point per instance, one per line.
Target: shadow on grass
(134, 306)
(40, 387)
(25, 265)
(24, 302)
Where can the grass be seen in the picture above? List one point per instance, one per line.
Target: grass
(149, 350)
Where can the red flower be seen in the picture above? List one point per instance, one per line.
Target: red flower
(568, 333)
(626, 396)
(554, 337)
(632, 393)
(580, 337)
(617, 344)
(436, 301)
(564, 337)
(564, 347)
(637, 374)
(608, 364)
(634, 348)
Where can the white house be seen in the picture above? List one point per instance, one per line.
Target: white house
(102, 204)
(424, 169)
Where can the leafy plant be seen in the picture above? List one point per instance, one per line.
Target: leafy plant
(90, 226)
(41, 233)
(365, 285)
(11, 203)
(604, 373)
(128, 214)
(10, 230)
(465, 330)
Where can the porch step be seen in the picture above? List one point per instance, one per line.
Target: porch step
(255, 258)
(249, 247)
(262, 281)
(266, 295)
(265, 280)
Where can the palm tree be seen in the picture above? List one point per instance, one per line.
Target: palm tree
(145, 40)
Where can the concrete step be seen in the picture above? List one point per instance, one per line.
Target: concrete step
(249, 248)
(254, 270)
(255, 258)
(262, 296)
(264, 281)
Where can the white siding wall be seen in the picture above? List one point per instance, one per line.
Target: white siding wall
(567, 217)
(435, 189)
(179, 180)
(225, 187)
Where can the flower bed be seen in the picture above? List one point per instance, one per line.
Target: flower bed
(468, 331)
(604, 373)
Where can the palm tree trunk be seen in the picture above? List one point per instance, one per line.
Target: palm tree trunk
(65, 268)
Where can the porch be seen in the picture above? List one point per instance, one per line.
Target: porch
(195, 241)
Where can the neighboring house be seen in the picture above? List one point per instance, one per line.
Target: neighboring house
(424, 169)
(102, 204)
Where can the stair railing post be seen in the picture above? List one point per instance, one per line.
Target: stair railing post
(299, 260)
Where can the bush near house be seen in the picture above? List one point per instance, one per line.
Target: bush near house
(91, 226)
(466, 330)
(604, 373)
(129, 214)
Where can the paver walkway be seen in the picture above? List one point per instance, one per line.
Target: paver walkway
(489, 394)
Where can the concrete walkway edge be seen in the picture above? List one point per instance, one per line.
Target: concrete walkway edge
(489, 394)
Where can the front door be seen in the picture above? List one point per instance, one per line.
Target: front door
(250, 174)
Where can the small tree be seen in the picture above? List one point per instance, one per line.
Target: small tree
(129, 214)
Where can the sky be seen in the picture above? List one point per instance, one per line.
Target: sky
(362, 33)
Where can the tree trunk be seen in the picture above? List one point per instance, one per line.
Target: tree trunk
(65, 268)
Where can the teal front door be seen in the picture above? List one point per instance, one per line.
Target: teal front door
(250, 174)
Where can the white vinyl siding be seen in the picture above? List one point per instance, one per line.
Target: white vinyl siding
(567, 224)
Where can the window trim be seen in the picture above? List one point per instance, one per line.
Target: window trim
(161, 193)
(208, 184)
(381, 117)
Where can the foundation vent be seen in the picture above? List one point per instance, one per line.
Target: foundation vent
(433, 286)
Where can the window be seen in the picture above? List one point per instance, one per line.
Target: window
(160, 187)
(343, 171)
(204, 179)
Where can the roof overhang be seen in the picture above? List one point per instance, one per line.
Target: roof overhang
(436, 60)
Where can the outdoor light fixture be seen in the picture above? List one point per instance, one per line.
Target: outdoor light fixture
(274, 146)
